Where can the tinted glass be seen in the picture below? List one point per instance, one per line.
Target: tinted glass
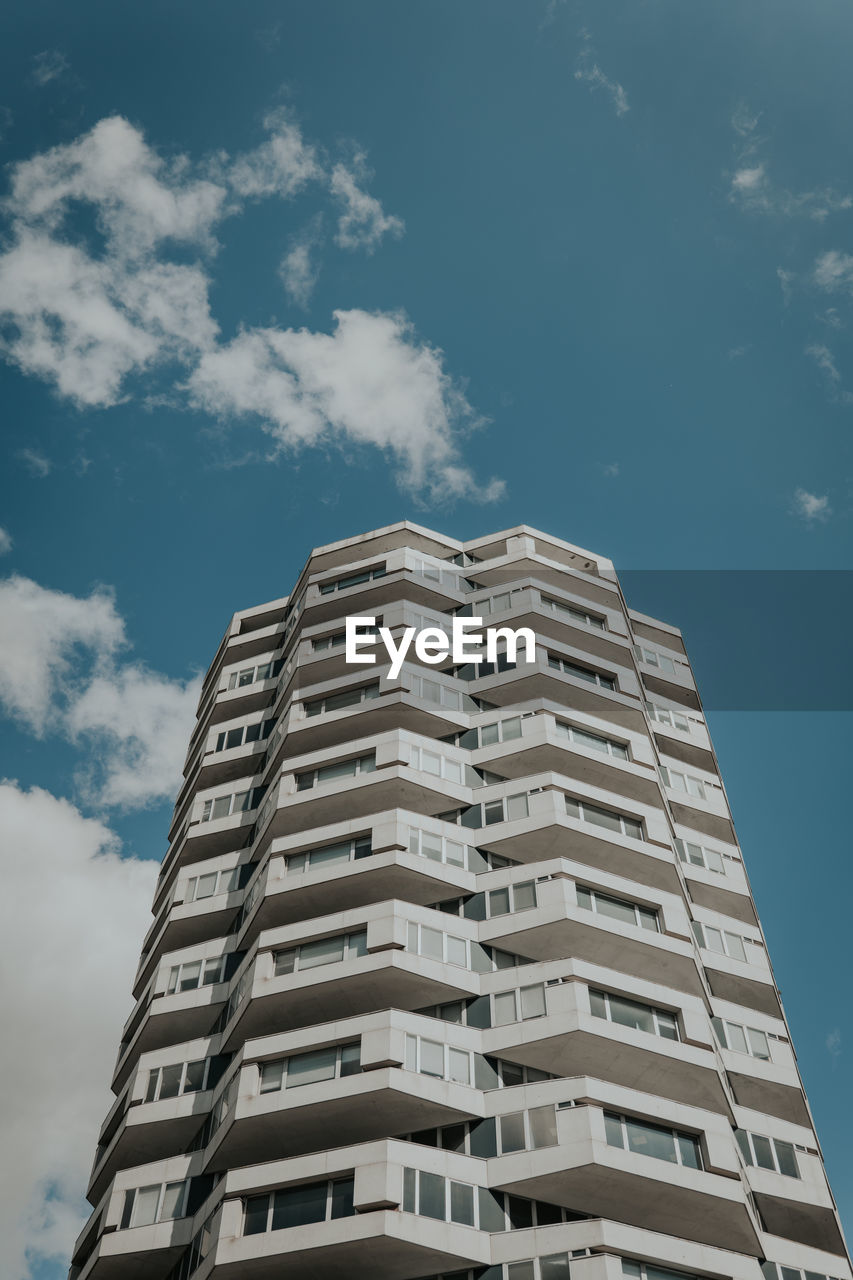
(297, 1206)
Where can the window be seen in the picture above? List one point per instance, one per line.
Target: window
(664, 715)
(196, 973)
(655, 1140)
(580, 673)
(574, 613)
(309, 1068)
(518, 1005)
(331, 772)
(432, 1196)
(686, 782)
(442, 849)
(732, 1035)
(654, 659)
(436, 692)
(700, 856)
(247, 733)
(346, 698)
(498, 902)
(251, 675)
(583, 738)
(772, 1272)
(211, 884)
(439, 766)
(159, 1203)
(499, 603)
(352, 580)
(435, 1058)
(338, 640)
(720, 941)
(330, 855)
(477, 670)
(225, 806)
(434, 944)
(433, 571)
(646, 1271)
(173, 1081)
(298, 1206)
(500, 731)
(606, 818)
(634, 1014)
(618, 909)
(311, 955)
(767, 1153)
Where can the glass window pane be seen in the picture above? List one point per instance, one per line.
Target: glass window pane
(648, 919)
(350, 1059)
(308, 1068)
(431, 1196)
(633, 829)
(459, 1066)
(409, 1184)
(488, 734)
(735, 946)
(758, 1044)
(170, 1081)
(554, 1267)
(492, 812)
(742, 1139)
(145, 1206)
(357, 944)
(543, 1126)
(323, 951)
(689, 1151)
(499, 902)
(650, 1140)
(512, 1132)
(272, 1074)
(173, 1201)
(521, 1271)
(462, 1204)
(504, 1008)
(786, 1159)
(190, 974)
(257, 1210)
(667, 1025)
(597, 1004)
(297, 1206)
(221, 807)
(736, 1038)
(532, 1002)
(491, 1210)
(511, 728)
(763, 1152)
(457, 951)
(483, 1139)
(432, 943)
(342, 1198)
(516, 807)
(330, 855)
(613, 1130)
(206, 886)
(625, 912)
(285, 962)
(714, 860)
(432, 1058)
(602, 817)
(630, 1013)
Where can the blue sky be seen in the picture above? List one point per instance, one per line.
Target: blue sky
(597, 260)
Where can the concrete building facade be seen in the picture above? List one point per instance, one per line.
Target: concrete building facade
(455, 974)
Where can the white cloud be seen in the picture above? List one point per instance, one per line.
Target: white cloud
(42, 635)
(751, 186)
(810, 507)
(611, 469)
(363, 222)
(371, 381)
(587, 71)
(834, 271)
(824, 360)
(299, 268)
(72, 916)
(138, 723)
(87, 317)
(833, 1044)
(35, 462)
(6, 543)
(786, 279)
(48, 65)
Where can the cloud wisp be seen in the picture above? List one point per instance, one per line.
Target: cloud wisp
(752, 189)
(588, 72)
(97, 317)
(811, 507)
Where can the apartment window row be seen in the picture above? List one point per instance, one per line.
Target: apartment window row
(244, 734)
(163, 1202)
(652, 658)
(478, 670)
(432, 1196)
(572, 611)
(665, 715)
(338, 640)
(346, 698)
(776, 1271)
(351, 768)
(601, 817)
(197, 973)
(699, 855)
(445, 577)
(498, 603)
(310, 955)
(677, 780)
(489, 1072)
(584, 738)
(251, 675)
(487, 735)
(618, 909)
(237, 802)
(655, 1140)
(299, 1206)
(179, 1078)
(440, 694)
(580, 672)
(648, 1271)
(493, 1011)
(451, 852)
(634, 1014)
(212, 883)
(441, 766)
(310, 1068)
(330, 855)
(497, 902)
(767, 1153)
(479, 1138)
(723, 942)
(434, 944)
(502, 809)
(352, 580)
(740, 1039)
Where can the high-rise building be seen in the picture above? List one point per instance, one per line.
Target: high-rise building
(455, 973)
